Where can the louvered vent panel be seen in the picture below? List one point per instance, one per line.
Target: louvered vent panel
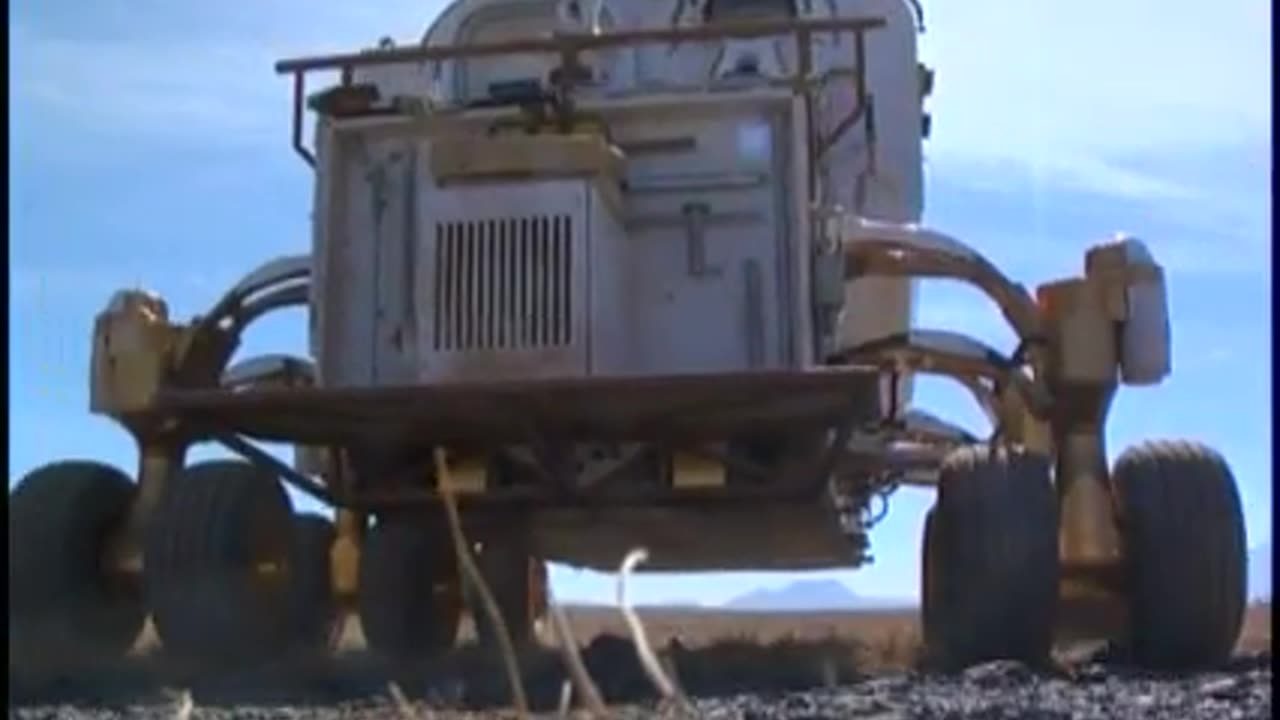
(503, 284)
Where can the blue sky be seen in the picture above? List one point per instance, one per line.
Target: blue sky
(150, 147)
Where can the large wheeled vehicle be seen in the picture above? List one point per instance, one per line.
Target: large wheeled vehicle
(646, 271)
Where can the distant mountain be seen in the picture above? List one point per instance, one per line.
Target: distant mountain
(1260, 572)
(811, 596)
(676, 604)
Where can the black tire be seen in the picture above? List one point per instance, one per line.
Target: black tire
(1183, 525)
(62, 606)
(217, 559)
(928, 581)
(518, 583)
(410, 600)
(313, 613)
(997, 571)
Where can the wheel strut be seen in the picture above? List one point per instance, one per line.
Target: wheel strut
(344, 558)
(158, 461)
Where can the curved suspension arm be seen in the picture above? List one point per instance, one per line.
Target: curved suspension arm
(952, 354)
(294, 268)
(211, 339)
(287, 296)
(984, 395)
(880, 248)
(924, 425)
(276, 368)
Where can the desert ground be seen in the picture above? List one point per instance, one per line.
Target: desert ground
(734, 665)
(881, 640)
(888, 640)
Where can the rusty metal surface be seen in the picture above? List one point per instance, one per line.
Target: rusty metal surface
(663, 408)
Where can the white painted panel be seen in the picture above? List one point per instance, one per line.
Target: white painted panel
(501, 281)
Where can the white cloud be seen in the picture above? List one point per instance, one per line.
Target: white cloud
(1074, 173)
(1052, 80)
(1062, 96)
(1205, 228)
(217, 85)
(175, 85)
(1063, 84)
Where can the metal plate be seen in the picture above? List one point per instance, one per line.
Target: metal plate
(664, 408)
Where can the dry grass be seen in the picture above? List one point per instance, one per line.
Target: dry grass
(881, 639)
(697, 629)
(1256, 636)
(886, 640)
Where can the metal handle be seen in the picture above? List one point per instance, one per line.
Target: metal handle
(695, 219)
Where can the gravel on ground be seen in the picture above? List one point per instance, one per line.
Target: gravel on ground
(1241, 691)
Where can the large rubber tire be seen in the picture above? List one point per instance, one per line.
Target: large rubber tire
(997, 566)
(62, 605)
(518, 583)
(1181, 515)
(928, 581)
(313, 613)
(410, 600)
(217, 559)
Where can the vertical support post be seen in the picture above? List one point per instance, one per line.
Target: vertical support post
(157, 463)
(804, 72)
(753, 312)
(159, 459)
(1089, 538)
(299, 99)
(1081, 367)
(860, 66)
(344, 556)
